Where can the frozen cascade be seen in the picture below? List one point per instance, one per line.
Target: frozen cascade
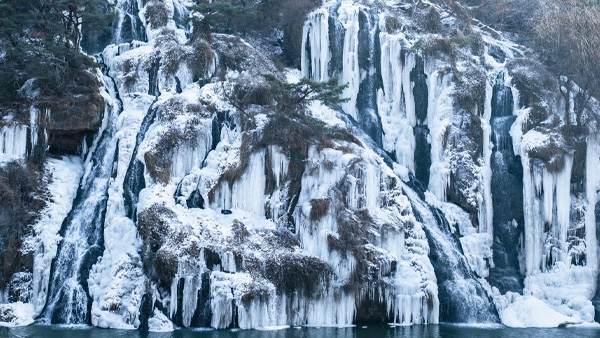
(551, 276)
(13, 142)
(280, 165)
(247, 193)
(187, 293)
(395, 101)
(82, 232)
(461, 296)
(412, 299)
(592, 211)
(134, 178)
(191, 288)
(315, 46)
(97, 275)
(551, 207)
(592, 179)
(439, 110)
(387, 105)
(117, 277)
(34, 119)
(348, 16)
(65, 180)
(486, 207)
(396, 107)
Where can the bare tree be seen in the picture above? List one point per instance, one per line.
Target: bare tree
(567, 31)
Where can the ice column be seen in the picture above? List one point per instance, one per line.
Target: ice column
(395, 100)
(315, 46)
(553, 190)
(486, 207)
(439, 110)
(592, 178)
(348, 16)
(13, 141)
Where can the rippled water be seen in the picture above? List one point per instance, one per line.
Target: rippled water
(432, 331)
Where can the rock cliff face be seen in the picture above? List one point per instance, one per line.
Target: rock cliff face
(449, 185)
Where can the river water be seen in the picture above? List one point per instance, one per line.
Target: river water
(431, 331)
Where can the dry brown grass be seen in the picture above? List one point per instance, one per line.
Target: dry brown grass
(21, 200)
(158, 169)
(319, 208)
(298, 273)
(153, 227)
(200, 59)
(157, 14)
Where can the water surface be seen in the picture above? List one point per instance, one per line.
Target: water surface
(431, 331)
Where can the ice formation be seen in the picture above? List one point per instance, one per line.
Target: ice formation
(179, 215)
(64, 176)
(13, 142)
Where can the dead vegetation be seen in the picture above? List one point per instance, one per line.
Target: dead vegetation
(158, 167)
(22, 199)
(159, 160)
(319, 208)
(298, 273)
(256, 291)
(200, 59)
(351, 234)
(534, 82)
(157, 14)
(470, 89)
(552, 154)
(153, 227)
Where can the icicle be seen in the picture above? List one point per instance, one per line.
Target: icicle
(34, 117)
(221, 302)
(191, 287)
(47, 118)
(173, 303)
(191, 154)
(486, 207)
(395, 101)
(280, 163)
(563, 206)
(246, 193)
(407, 87)
(13, 141)
(439, 110)
(228, 261)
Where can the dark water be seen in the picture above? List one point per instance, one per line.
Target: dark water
(431, 331)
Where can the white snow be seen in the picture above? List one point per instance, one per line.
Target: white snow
(528, 311)
(159, 323)
(16, 314)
